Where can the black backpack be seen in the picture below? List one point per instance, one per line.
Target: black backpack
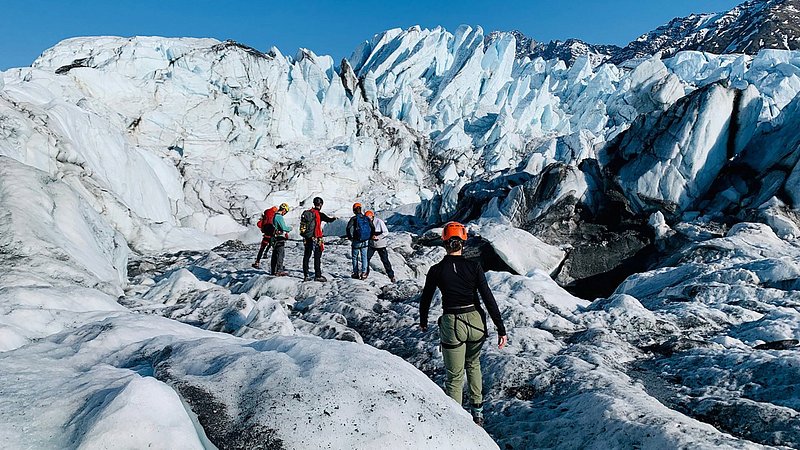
(308, 224)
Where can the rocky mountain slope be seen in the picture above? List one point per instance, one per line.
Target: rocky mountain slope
(748, 28)
(568, 51)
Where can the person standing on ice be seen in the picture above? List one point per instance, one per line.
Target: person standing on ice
(462, 327)
(378, 244)
(267, 229)
(359, 231)
(311, 231)
(279, 238)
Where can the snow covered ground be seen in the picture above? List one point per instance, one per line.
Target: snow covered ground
(94, 374)
(133, 170)
(606, 370)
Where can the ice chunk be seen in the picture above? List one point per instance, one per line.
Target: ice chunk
(144, 408)
(521, 250)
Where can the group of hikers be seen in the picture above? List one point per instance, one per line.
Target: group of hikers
(462, 326)
(366, 232)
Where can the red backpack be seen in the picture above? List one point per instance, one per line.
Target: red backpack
(266, 221)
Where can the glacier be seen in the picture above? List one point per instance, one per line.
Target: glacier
(134, 170)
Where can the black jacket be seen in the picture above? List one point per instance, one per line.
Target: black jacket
(460, 280)
(325, 218)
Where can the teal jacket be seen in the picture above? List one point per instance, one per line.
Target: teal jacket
(280, 224)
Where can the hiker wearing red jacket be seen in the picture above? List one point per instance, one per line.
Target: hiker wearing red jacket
(311, 231)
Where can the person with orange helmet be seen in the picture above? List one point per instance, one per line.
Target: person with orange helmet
(378, 244)
(462, 326)
(359, 231)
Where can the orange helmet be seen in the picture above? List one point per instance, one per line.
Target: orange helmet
(356, 205)
(369, 214)
(454, 230)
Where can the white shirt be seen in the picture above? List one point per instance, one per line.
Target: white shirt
(380, 227)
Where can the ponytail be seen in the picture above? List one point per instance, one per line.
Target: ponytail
(453, 245)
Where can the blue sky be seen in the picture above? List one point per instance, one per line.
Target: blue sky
(327, 27)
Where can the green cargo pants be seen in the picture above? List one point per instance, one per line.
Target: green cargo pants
(462, 337)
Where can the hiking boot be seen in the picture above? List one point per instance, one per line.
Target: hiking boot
(306, 278)
(355, 276)
(256, 266)
(477, 415)
(282, 273)
(321, 279)
(364, 275)
(393, 279)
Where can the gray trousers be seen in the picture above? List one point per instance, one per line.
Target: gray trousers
(278, 250)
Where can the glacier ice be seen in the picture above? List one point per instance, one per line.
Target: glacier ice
(124, 160)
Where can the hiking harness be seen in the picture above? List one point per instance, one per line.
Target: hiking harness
(455, 311)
